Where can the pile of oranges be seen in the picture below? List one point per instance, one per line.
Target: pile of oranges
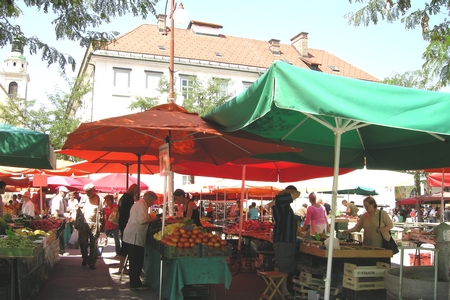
(183, 238)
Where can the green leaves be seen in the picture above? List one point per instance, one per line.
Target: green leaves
(74, 21)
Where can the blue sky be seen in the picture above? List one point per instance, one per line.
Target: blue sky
(380, 50)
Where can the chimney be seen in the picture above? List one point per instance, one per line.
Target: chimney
(300, 43)
(274, 46)
(161, 23)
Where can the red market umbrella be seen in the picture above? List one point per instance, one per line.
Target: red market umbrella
(190, 137)
(71, 183)
(258, 170)
(116, 183)
(112, 162)
(433, 181)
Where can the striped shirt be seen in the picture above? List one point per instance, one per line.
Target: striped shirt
(285, 228)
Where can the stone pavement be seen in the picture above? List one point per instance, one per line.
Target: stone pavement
(69, 280)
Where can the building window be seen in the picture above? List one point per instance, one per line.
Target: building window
(13, 88)
(186, 85)
(122, 77)
(222, 85)
(188, 179)
(152, 79)
(246, 84)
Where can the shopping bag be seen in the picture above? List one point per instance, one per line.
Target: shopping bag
(73, 241)
(67, 233)
(114, 216)
(390, 245)
(102, 240)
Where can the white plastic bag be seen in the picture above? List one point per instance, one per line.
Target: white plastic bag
(336, 245)
(73, 241)
(102, 240)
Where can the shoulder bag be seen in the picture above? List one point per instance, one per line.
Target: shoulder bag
(391, 244)
(114, 216)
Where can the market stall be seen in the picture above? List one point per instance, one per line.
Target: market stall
(186, 261)
(26, 263)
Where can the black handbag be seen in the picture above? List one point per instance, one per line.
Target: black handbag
(391, 244)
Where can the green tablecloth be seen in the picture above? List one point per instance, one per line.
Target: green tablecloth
(183, 271)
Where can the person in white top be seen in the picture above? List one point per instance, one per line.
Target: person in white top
(135, 236)
(59, 203)
(27, 206)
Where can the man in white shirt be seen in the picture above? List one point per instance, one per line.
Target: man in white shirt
(58, 207)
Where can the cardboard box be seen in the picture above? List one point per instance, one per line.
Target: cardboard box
(363, 284)
(353, 270)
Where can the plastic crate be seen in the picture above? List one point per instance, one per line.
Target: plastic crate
(214, 252)
(196, 290)
(172, 252)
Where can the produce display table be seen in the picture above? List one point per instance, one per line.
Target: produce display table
(28, 269)
(177, 273)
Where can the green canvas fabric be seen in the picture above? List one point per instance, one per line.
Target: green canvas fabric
(386, 127)
(25, 148)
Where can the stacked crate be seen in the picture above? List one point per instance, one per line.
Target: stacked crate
(306, 282)
(361, 282)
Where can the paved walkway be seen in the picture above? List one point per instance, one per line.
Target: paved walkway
(69, 280)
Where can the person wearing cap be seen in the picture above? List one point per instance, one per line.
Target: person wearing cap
(89, 223)
(58, 207)
(27, 206)
(285, 234)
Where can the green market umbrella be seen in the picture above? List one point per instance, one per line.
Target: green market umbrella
(341, 122)
(25, 148)
(358, 190)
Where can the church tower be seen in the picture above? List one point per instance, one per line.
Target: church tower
(14, 76)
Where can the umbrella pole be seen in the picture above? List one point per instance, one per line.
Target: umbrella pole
(162, 236)
(240, 221)
(40, 196)
(337, 153)
(128, 174)
(442, 197)
(139, 173)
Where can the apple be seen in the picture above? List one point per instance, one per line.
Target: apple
(182, 230)
(210, 244)
(223, 243)
(187, 244)
(180, 244)
(175, 239)
(198, 240)
(192, 245)
(210, 235)
(216, 245)
(195, 231)
(201, 235)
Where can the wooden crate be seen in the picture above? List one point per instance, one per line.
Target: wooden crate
(363, 283)
(309, 279)
(353, 270)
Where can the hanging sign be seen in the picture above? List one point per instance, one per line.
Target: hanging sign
(39, 180)
(164, 160)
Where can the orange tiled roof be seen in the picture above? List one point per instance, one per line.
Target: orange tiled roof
(146, 39)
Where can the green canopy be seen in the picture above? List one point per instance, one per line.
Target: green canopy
(25, 148)
(388, 127)
(342, 122)
(359, 190)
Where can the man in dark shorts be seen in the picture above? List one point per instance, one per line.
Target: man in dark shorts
(285, 234)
